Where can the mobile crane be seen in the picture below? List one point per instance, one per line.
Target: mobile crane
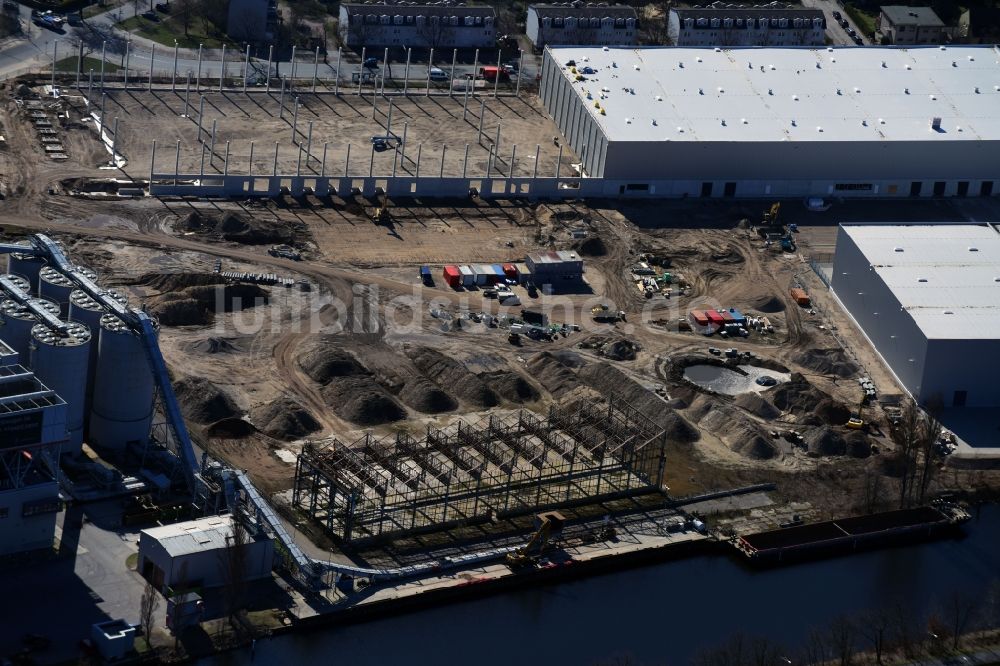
(550, 525)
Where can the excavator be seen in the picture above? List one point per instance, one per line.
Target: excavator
(550, 525)
(380, 214)
(771, 215)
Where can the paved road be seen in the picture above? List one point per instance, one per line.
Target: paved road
(36, 49)
(837, 34)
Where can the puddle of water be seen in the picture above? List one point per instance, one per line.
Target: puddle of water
(728, 382)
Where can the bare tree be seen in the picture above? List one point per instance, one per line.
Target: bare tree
(929, 437)
(872, 491)
(185, 14)
(814, 650)
(147, 610)
(841, 637)
(135, 6)
(907, 436)
(874, 625)
(959, 610)
(234, 566)
(903, 623)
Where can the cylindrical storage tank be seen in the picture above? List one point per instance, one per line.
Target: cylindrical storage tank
(123, 389)
(27, 266)
(60, 361)
(57, 287)
(16, 322)
(20, 282)
(86, 310)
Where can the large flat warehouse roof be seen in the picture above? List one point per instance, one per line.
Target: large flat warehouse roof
(946, 276)
(789, 94)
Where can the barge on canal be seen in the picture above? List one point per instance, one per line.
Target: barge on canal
(851, 534)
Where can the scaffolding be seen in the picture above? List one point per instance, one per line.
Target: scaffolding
(499, 466)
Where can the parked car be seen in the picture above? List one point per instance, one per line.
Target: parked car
(852, 32)
(150, 16)
(371, 63)
(766, 380)
(858, 40)
(438, 74)
(837, 16)
(163, 7)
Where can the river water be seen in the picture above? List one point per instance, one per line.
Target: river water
(658, 614)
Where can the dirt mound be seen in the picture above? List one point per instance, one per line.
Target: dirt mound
(757, 405)
(858, 445)
(825, 442)
(234, 428)
(736, 431)
(361, 400)
(213, 346)
(511, 386)
(170, 282)
(204, 402)
(756, 447)
(180, 312)
(727, 257)
(447, 372)
(796, 395)
(552, 373)
(828, 362)
(238, 229)
(768, 305)
(425, 396)
(832, 412)
(620, 350)
(613, 383)
(285, 419)
(322, 363)
(591, 247)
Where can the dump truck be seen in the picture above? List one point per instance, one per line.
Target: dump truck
(603, 313)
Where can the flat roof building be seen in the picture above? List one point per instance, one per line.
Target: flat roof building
(927, 296)
(910, 25)
(555, 24)
(765, 26)
(874, 121)
(413, 25)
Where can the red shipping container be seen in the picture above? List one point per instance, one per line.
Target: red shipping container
(510, 271)
(729, 319)
(699, 317)
(714, 317)
(452, 276)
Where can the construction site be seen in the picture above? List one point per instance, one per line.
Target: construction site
(319, 365)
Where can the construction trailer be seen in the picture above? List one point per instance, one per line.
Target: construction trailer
(452, 276)
(381, 488)
(557, 268)
(468, 277)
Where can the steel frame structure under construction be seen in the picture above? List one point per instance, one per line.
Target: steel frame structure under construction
(466, 473)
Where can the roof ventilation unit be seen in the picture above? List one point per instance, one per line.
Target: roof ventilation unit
(936, 123)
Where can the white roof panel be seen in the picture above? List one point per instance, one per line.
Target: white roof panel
(947, 276)
(192, 536)
(789, 94)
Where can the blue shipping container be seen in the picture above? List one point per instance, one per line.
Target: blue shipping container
(737, 316)
(425, 271)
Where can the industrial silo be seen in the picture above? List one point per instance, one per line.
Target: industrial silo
(16, 322)
(27, 266)
(86, 310)
(59, 359)
(57, 287)
(19, 282)
(123, 388)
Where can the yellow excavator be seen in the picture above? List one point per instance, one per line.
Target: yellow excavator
(380, 214)
(771, 215)
(550, 525)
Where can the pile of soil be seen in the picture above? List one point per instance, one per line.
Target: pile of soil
(238, 229)
(757, 405)
(552, 373)
(736, 431)
(766, 303)
(204, 402)
(591, 247)
(858, 445)
(447, 372)
(620, 350)
(213, 345)
(796, 395)
(613, 383)
(194, 305)
(362, 400)
(727, 257)
(832, 412)
(511, 386)
(828, 362)
(425, 396)
(757, 447)
(172, 282)
(285, 419)
(234, 428)
(322, 363)
(822, 442)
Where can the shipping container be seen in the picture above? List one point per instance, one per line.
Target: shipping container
(738, 316)
(452, 276)
(800, 296)
(467, 276)
(727, 318)
(698, 317)
(523, 273)
(498, 273)
(510, 271)
(536, 317)
(714, 317)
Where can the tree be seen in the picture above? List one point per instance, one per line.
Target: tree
(234, 565)
(185, 14)
(907, 438)
(147, 610)
(841, 637)
(135, 7)
(873, 492)
(874, 626)
(959, 610)
(929, 437)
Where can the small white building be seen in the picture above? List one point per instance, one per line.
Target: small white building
(193, 553)
(910, 25)
(592, 24)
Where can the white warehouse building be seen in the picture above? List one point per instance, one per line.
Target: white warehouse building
(927, 296)
(780, 122)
